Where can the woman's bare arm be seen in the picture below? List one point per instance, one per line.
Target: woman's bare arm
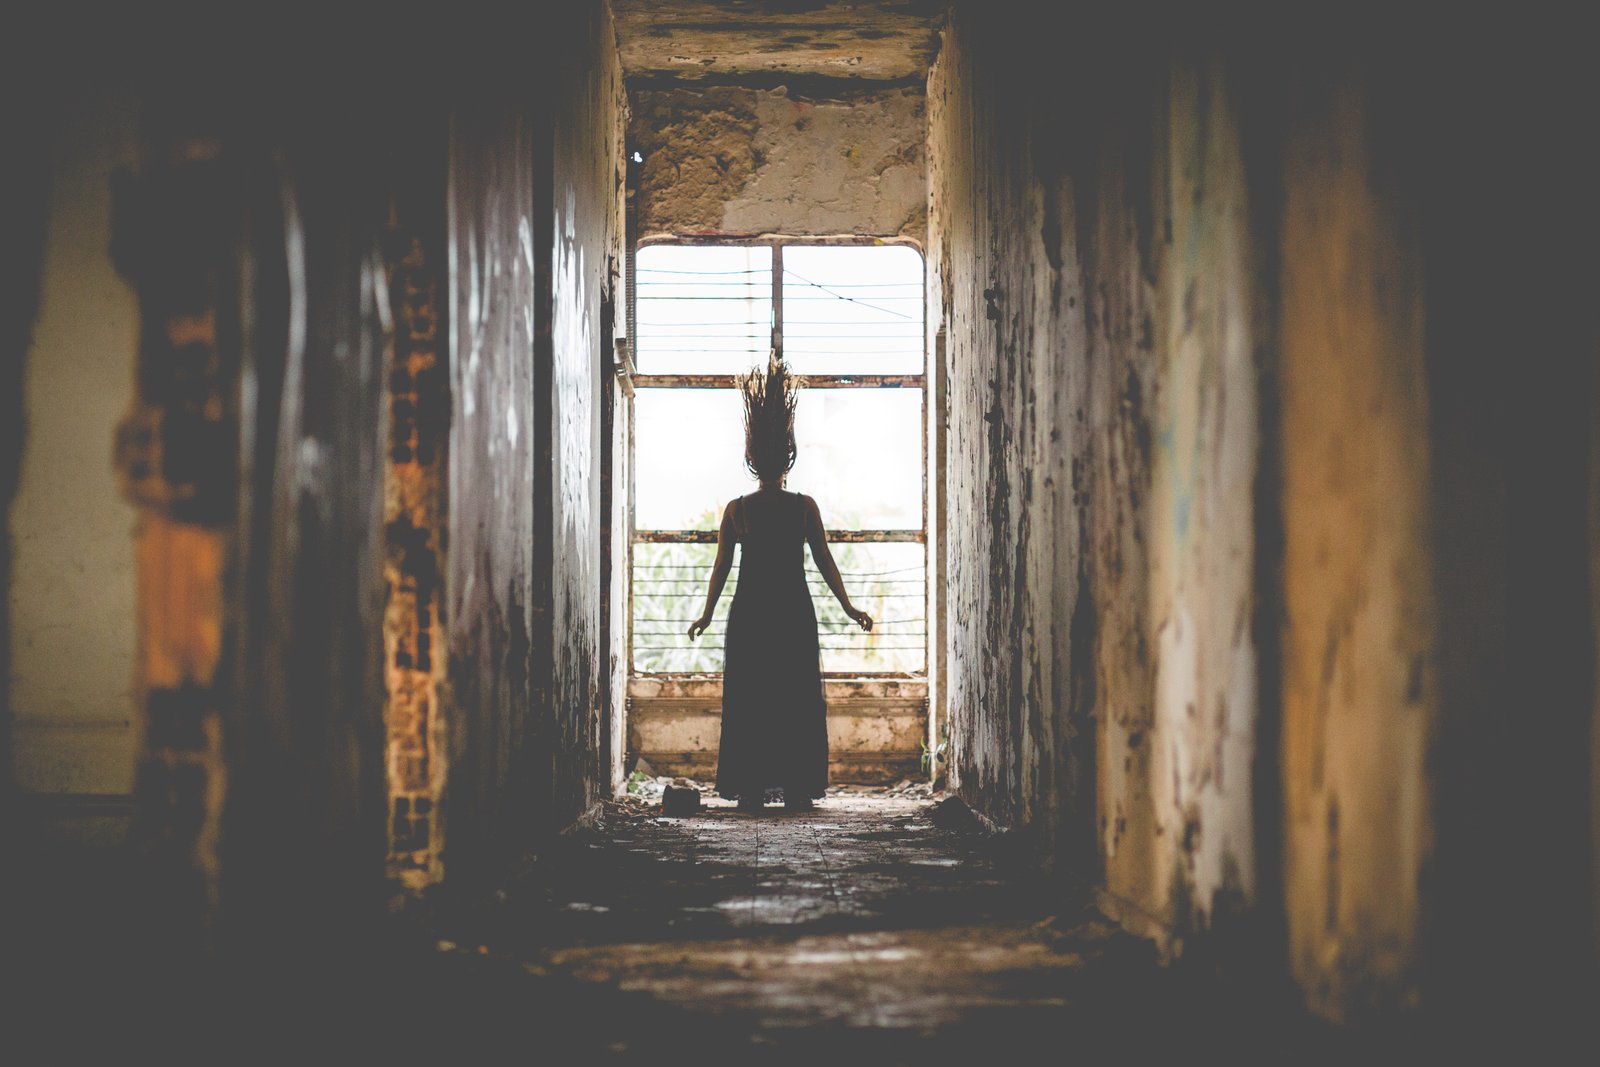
(817, 538)
(727, 537)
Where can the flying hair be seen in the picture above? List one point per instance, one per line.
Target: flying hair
(770, 396)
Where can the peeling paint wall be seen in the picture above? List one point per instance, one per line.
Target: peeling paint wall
(535, 227)
(1094, 271)
(587, 253)
(733, 160)
(489, 583)
(1270, 397)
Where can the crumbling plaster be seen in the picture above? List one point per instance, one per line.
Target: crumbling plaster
(723, 160)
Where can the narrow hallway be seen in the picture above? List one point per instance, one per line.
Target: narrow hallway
(1165, 443)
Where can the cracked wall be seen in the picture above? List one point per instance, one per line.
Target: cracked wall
(725, 160)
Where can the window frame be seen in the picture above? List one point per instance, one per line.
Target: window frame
(918, 535)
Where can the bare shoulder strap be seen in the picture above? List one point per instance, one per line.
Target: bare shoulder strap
(741, 522)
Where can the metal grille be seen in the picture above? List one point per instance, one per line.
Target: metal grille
(888, 581)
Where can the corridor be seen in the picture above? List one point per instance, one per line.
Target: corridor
(1195, 425)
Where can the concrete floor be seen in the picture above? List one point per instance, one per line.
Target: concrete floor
(856, 926)
(861, 933)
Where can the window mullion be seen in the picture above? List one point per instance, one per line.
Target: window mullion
(777, 299)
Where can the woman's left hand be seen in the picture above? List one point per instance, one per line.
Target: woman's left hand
(698, 627)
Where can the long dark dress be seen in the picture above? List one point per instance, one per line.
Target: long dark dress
(774, 719)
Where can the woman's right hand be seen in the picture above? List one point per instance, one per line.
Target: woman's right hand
(862, 619)
(698, 627)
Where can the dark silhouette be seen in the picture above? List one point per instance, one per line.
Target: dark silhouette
(774, 719)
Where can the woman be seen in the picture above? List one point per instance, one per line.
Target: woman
(774, 721)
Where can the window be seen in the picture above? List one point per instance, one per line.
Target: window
(848, 317)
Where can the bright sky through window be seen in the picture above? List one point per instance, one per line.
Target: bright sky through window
(852, 321)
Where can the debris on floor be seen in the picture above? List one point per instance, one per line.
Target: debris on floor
(953, 814)
(859, 930)
(680, 800)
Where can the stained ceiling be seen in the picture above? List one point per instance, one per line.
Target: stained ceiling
(876, 40)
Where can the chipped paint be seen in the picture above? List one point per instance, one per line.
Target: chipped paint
(1099, 288)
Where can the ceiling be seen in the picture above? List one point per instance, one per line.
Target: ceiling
(875, 40)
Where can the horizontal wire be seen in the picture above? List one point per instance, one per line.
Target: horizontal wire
(791, 354)
(699, 648)
(696, 647)
(703, 273)
(696, 591)
(836, 629)
(865, 636)
(821, 593)
(814, 580)
(906, 621)
(812, 575)
(659, 649)
(756, 287)
(760, 296)
(851, 285)
(809, 570)
(888, 311)
(789, 333)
